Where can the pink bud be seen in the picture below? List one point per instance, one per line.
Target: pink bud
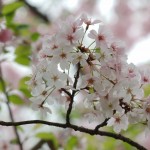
(5, 35)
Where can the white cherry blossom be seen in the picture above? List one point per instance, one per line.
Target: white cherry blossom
(110, 86)
(119, 122)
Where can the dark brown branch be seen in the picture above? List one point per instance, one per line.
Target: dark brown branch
(102, 124)
(9, 109)
(41, 142)
(77, 128)
(73, 94)
(36, 11)
(38, 145)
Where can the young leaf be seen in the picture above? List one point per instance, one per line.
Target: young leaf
(35, 36)
(71, 143)
(48, 136)
(7, 9)
(22, 60)
(23, 50)
(15, 99)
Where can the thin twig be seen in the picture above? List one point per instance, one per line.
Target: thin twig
(41, 142)
(102, 124)
(36, 11)
(77, 128)
(73, 94)
(9, 109)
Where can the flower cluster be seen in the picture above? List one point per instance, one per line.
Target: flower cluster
(78, 59)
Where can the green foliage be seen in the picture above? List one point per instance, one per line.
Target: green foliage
(9, 18)
(23, 87)
(92, 143)
(10, 8)
(91, 90)
(71, 143)
(1, 87)
(35, 36)
(22, 54)
(109, 143)
(147, 90)
(23, 61)
(23, 50)
(14, 141)
(15, 99)
(97, 50)
(20, 129)
(133, 130)
(37, 126)
(48, 136)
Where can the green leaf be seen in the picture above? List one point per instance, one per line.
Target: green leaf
(91, 90)
(22, 60)
(109, 144)
(26, 92)
(22, 82)
(9, 19)
(22, 27)
(15, 99)
(97, 50)
(71, 143)
(35, 36)
(37, 126)
(48, 136)
(7, 9)
(92, 142)
(23, 50)
(1, 87)
(147, 90)
(20, 128)
(14, 141)
(22, 54)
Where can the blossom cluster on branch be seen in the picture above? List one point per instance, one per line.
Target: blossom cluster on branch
(113, 89)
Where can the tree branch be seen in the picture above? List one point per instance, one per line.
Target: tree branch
(41, 142)
(77, 128)
(73, 94)
(38, 145)
(9, 109)
(102, 124)
(36, 11)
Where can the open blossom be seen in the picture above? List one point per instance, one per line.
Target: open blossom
(145, 77)
(129, 90)
(38, 105)
(101, 37)
(50, 45)
(112, 88)
(54, 78)
(88, 21)
(109, 105)
(79, 58)
(119, 121)
(69, 37)
(63, 58)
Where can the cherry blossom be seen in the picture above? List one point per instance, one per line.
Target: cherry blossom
(111, 88)
(130, 90)
(38, 105)
(119, 121)
(101, 37)
(88, 21)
